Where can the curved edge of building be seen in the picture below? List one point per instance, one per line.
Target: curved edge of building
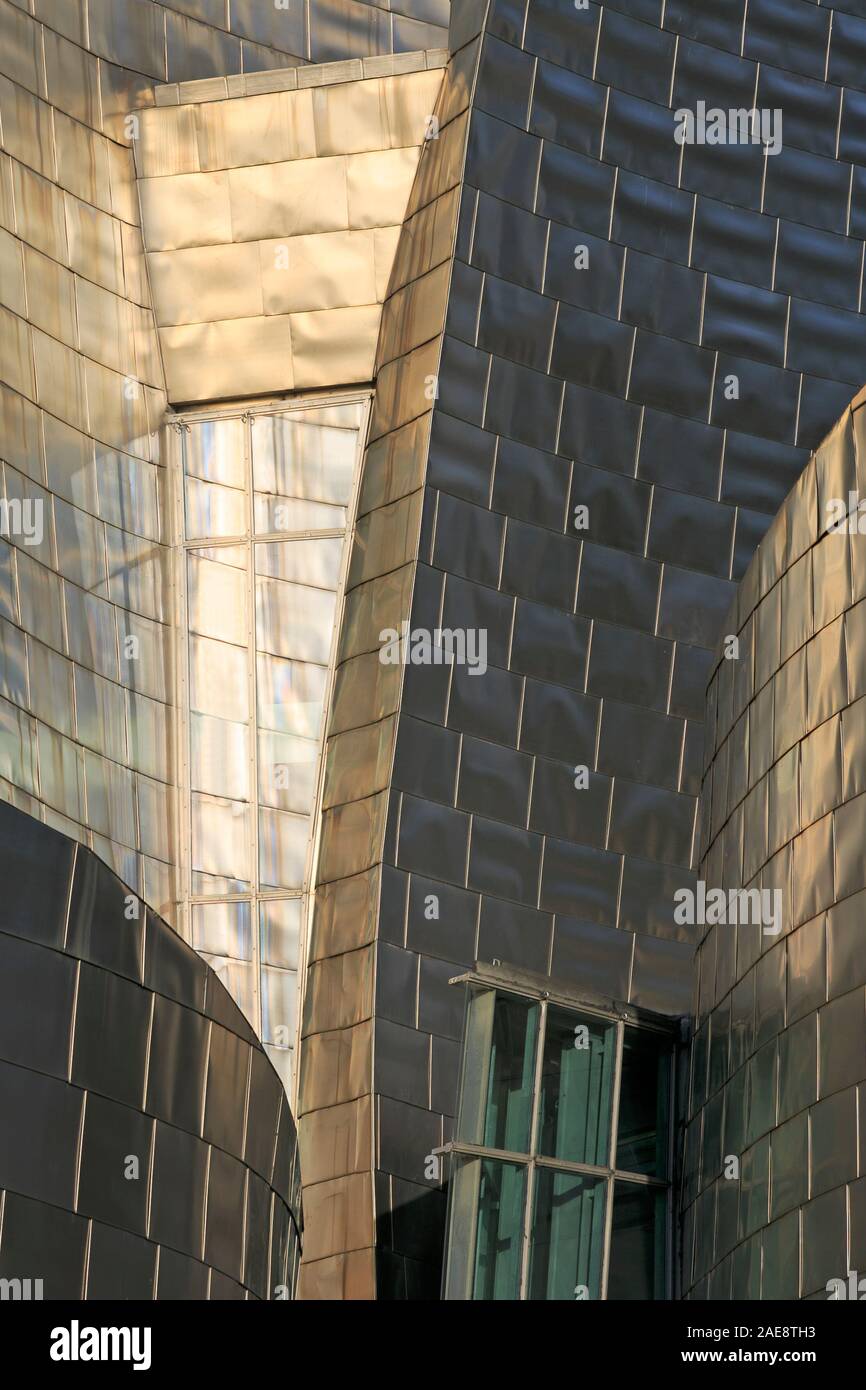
(774, 1196)
(147, 1149)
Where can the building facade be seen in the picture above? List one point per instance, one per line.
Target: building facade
(393, 404)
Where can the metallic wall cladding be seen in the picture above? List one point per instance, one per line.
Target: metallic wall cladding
(124, 1175)
(85, 670)
(779, 1052)
(620, 324)
(271, 222)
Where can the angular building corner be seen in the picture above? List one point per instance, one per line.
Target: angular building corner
(431, 574)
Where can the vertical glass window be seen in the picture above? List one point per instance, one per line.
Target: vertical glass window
(576, 1087)
(560, 1171)
(266, 501)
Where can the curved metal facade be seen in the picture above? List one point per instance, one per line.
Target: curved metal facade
(146, 1145)
(584, 313)
(780, 1048)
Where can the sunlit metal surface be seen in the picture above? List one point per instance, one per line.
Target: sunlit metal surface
(271, 222)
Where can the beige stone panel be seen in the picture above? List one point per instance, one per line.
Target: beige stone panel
(105, 327)
(385, 242)
(82, 162)
(26, 125)
(95, 244)
(350, 118)
(335, 346)
(409, 101)
(285, 200)
(166, 141)
(15, 364)
(334, 269)
(236, 357)
(206, 283)
(189, 210)
(50, 296)
(12, 274)
(379, 184)
(253, 130)
(337, 1140)
(60, 384)
(39, 212)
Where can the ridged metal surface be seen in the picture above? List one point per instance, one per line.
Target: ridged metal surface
(560, 387)
(146, 1147)
(779, 1054)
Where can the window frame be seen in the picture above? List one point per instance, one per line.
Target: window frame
(621, 1016)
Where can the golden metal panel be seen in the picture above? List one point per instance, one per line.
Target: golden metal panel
(350, 118)
(235, 357)
(337, 1140)
(409, 101)
(379, 183)
(26, 124)
(284, 200)
(59, 380)
(116, 409)
(121, 170)
(73, 79)
(385, 243)
(21, 48)
(134, 277)
(207, 283)
(15, 361)
(12, 274)
(193, 49)
(188, 210)
(82, 162)
(50, 296)
(66, 16)
(335, 1067)
(121, 91)
(279, 28)
(20, 430)
(338, 1215)
(7, 206)
(254, 130)
(95, 246)
(334, 269)
(39, 212)
(166, 142)
(130, 34)
(105, 327)
(351, 1276)
(335, 346)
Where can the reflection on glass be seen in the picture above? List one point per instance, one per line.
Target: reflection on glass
(257, 681)
(576, 1087)
(638, 1243)
(567, 1236)
(499, 1065)
(499, 1233)
(642, 1136)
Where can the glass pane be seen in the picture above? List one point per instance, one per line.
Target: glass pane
(222, 929)
(280, 922)
(215, 451)
(567, 1236)
(638, 1242)
(499, 1066)
(212, 510)
(642, 1136)
(576, 1087)
(501, 1196)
